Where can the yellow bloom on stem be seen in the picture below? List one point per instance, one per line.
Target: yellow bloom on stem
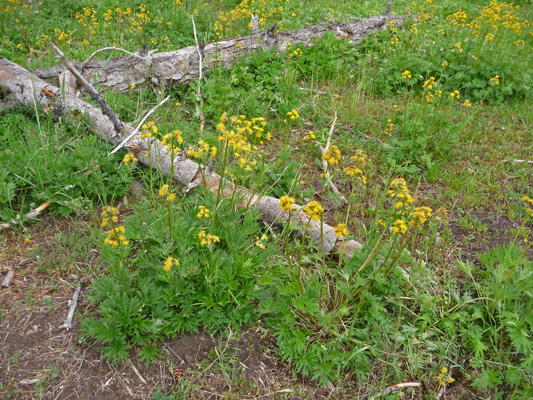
(203, 213)
(286, 203)
(293, 114)
(129, 159)
(341, 230)
(399, 226)
(163, 191)
(314, 210)
(406, 74)
(207, 239)
(332, 155)
(260, 242)
(170, 262)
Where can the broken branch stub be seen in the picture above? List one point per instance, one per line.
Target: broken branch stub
(21, 86)
(183, 65)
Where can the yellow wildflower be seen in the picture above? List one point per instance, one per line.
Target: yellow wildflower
(406, 74)
(399, 226)
(332, 155)
(341, 230)
(286, 203)
(314, 210)
(203, 213)
(170, 262)
(129, 159)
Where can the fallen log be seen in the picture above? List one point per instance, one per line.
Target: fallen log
(22, 86)
(165, 69)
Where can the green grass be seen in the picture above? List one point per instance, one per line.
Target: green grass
(419, 302)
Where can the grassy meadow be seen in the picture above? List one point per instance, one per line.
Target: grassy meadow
(431, 151)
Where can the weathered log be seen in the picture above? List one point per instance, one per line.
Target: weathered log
(27, 89)
(184, 65)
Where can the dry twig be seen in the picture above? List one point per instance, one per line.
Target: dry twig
(113, 48)
(32, 214)
(200, 75)
(139, 126)
(519, 161)
(74, 302)
(325, 163)
(395, 388)
(90, 89)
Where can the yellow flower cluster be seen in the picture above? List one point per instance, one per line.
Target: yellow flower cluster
(359, 160)
(430, 84)
(261, 241)
(310, 136)
(313, 210)
(294, 115)
(399, 226)
(341, 230)
(115, 237)
(60, 34)
(467, 104)
(88, 20)
(164, 191)
(332, 155)
(404, 216)
(172, 141)
(458, 48)
(286, 203)
(528, 202)
(201, 149)
(129, 159)
(171, 262)
(109, 214)
(406, 74)
(203, 213)
(419, 216)
(239, 136)
(443, 377)
(206, 239)
(457, 18)
(239, 17)
(389, 128)
(495, 80)
(148, 129)
(455, 95)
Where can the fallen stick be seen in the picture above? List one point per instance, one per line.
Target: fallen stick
(395, 388)
(200, 75)
(7, 279)
(113, 48)
(74, 303)
(32, 214)
(325, 163)
(90, 89)
(139, 126)
(519, 161)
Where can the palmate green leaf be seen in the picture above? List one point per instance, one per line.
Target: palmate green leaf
(520, 336)
(149, 353)
(475, 340)
(117, 351)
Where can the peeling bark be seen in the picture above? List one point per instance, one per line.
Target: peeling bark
(184, 65)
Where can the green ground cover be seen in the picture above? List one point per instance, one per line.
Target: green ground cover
(431, 117)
